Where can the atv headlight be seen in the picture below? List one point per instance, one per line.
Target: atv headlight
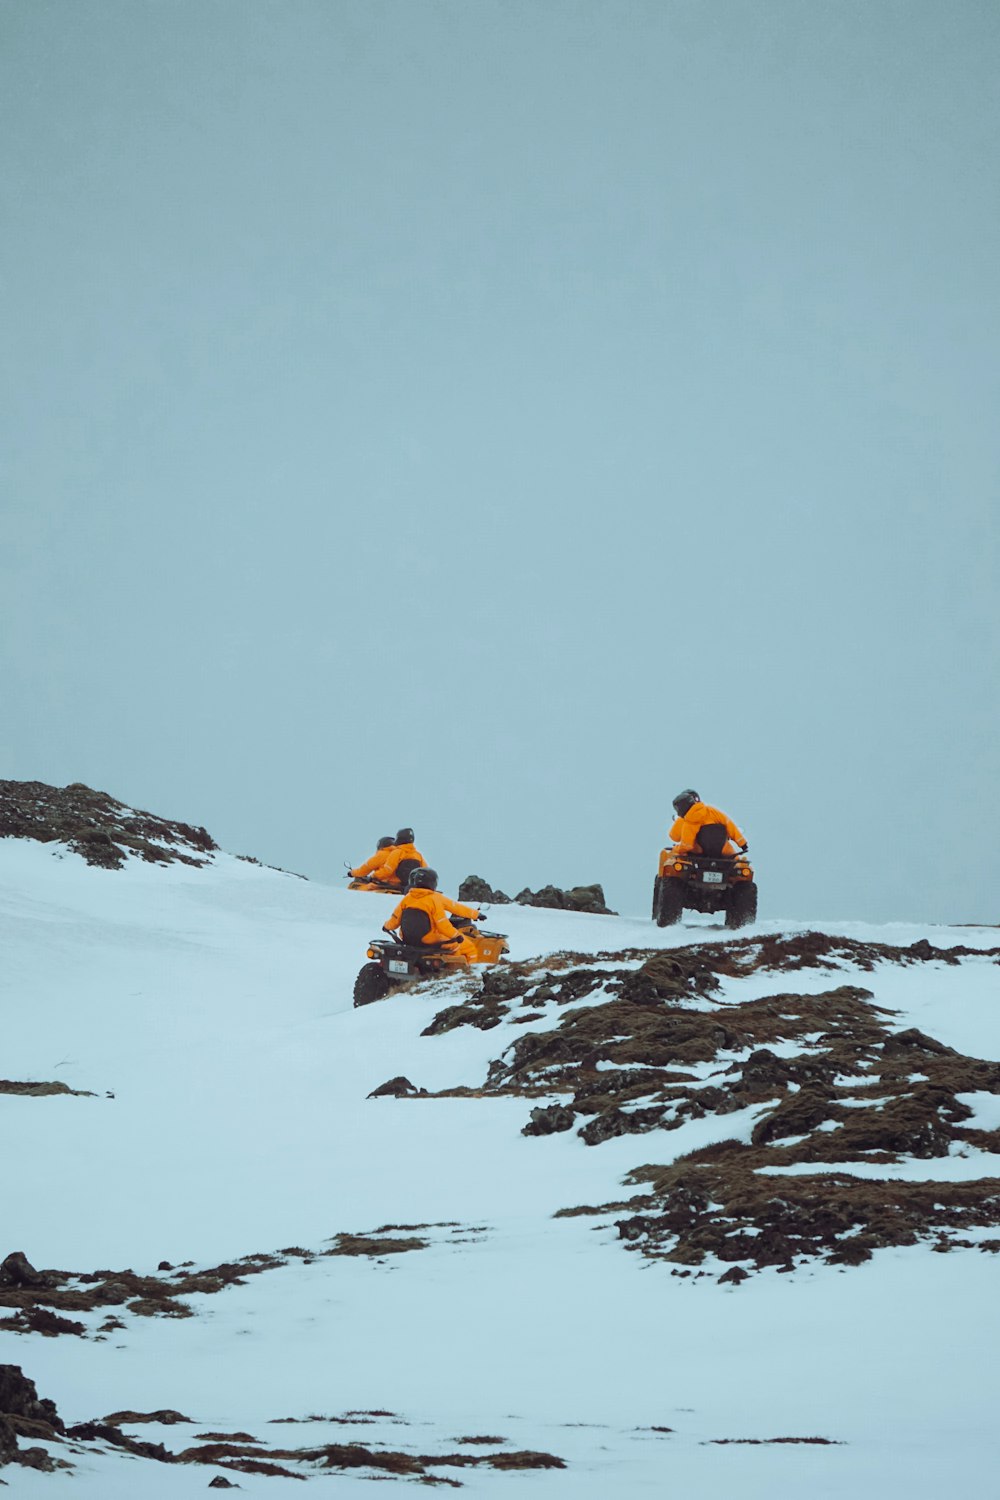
(372, 953)
(679, 868)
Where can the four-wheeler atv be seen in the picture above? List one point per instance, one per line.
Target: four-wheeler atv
(395, 962)
(705, 881)
(404, 870)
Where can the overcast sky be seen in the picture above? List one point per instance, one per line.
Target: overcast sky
(496, 415)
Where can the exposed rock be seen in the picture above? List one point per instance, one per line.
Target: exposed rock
(94, 1432)
(797, 1114)
(396, 1088)
(41, 1090)
(832, 1083)
(166, 1417)
(586, 898)
(37, 1458)
(8, 1442)
(17, 1270)
(19, 1398)
(550, 1119)
(97, 827)
(22, 1411)
(476, 892)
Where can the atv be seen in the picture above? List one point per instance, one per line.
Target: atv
(395, 962)
(705, 881)
(404, 870)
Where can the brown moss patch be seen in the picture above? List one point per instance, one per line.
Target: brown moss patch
(757, 1442)
(832, 1083)
(728, 1208)
(41, 1090)
(39, 1298)
(359, 1244)
(165, 1417)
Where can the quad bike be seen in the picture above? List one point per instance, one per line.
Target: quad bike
(404, 870)
(705, 881)
(396, 962)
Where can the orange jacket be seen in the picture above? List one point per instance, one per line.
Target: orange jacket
(685, 830)
(378, 858)
(437, 908)
(386, 871)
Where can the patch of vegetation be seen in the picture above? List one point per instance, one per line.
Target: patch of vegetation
(100, 829)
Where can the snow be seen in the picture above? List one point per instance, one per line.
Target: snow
(209, 1011)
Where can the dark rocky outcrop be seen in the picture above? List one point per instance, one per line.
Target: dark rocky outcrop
(476, 892)
(585, 898)
(38, 1301)
(24, 1414)
(639, 1042)
(100, 829)
(396, 1088)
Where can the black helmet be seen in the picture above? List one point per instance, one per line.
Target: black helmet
(424, 878)
(684, 801)
(404, 836)
(386, 841)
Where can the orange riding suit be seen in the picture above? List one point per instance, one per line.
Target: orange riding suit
(685, 830)
(386, 871)
(437, 908)
(378, 858)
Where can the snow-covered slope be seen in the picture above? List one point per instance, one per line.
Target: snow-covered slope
(415, 1295)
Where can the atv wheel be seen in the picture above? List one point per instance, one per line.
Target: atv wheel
(742, 908)
(371, 984)
(671, 903)
(656, 897)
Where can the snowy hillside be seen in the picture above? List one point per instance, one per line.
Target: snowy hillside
(220, 1248)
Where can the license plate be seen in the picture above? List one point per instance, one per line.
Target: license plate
(397, 966)
(712, 877)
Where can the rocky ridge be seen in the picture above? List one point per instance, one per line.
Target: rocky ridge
(583, 898)
(103, 831)
(828, 1082)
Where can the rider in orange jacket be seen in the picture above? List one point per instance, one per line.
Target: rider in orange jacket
(403, 847)
(424, 897)
(693, 815)
(378, 858)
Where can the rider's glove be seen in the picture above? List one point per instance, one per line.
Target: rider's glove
(744, 848)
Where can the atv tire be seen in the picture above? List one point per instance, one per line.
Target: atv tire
(670, 904)
(742, 908)
(371, 984)
(656, 897)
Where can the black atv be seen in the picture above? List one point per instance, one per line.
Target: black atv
(703, 881)
(396, 962)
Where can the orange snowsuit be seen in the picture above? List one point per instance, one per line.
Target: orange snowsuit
(437, 908)
(386, 871)
(378, 858)
(685, 830)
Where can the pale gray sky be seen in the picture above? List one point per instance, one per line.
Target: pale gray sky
(494, 415)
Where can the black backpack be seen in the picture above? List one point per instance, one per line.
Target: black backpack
(712, 839)
(405, 869)
(414, 925)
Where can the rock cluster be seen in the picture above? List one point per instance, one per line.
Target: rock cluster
(586, 898)
(23, 1414)
(640, 1045)
(101, 830)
